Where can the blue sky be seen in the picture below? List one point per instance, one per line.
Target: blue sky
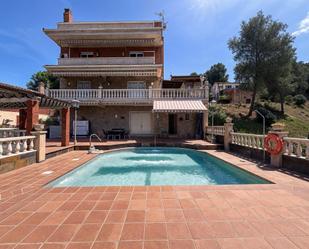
(196, 36)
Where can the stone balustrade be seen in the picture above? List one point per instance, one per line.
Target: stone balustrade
(248, 140)
(11, 146)
(108, 61)
(11, 132)
(127, 95)
(215, 130)
(298, 147)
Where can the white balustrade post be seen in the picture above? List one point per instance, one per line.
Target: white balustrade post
(228, 128)
(39, 145)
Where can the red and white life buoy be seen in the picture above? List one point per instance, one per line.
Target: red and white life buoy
(273, 144)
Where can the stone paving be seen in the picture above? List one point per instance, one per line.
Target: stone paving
(271, 216)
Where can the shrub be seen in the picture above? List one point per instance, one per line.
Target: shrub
(289, 99)
(219, 115)
(299, 99)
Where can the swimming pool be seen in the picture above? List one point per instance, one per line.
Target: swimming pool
(155, 166)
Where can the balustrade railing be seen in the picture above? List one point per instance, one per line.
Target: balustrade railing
(215, 130)
(127, 94)
(248, 140)
(11, 132)
(147, 60)
(15, 145)
(298, 147)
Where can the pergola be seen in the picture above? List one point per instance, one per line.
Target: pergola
(28, 102)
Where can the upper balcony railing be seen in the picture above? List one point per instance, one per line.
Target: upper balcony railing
(127, 95)
(107, 61)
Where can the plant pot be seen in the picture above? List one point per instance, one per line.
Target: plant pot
(38, 127)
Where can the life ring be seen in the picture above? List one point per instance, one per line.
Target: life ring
(273, 144)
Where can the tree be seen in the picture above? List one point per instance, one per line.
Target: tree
(217, 73)
(300, 78)
(194, 74)
(49, 80)
(256, 51)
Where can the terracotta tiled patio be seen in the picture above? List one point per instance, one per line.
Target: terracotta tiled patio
(182, 217)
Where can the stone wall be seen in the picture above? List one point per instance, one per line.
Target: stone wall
(17, 161)
(250, 152)
(296, 164)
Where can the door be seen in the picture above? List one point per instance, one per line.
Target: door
(140, 123)
(172, 124)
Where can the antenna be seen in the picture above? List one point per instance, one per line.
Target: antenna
(161, 15)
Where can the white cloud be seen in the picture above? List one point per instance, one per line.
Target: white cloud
(303, 26)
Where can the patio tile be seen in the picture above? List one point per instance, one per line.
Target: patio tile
(110, 232)
(96, 217)
(116, 216)
(17, 234)
(36, 218)
(132, 231)
(16, 218)
(135, 216)
(63, 233)
(244, 229)
(76, 217)
(104, 245)
(79, 246)
(231, 243)
(301, 242)
(280, 243)
(193, 215)
(155, 231)
(103, 205)
(181, 244)
(178, 231)
(28, 246)
(53, 246)
(120, 205)
(130, 245)
(188, 204)
(56, 218)
(40, 234)
(175, 215)
(156, 244)
(256, 243)
(200, 230)
(171, 203)
(222, 229)
(137, 204)
(155, 215)
(87, 232)
(206, 244)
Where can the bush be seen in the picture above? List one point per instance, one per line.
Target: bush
(219, 115)
(270, 117)
(300, 99)
(289, 99)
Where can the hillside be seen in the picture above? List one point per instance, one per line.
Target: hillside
(296, 118)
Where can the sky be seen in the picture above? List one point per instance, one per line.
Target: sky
(196, 36)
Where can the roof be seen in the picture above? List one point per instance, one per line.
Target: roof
(171, 84)
(178, 106)
(226, 83)
(192, 78)
(14, 97)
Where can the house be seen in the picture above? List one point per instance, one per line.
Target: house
(238, 96)
(115, 70)
(218, 87)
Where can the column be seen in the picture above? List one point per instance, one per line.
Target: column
(228, 128)
(65, 127)
(40, 145)
(277, 129)
(205, 122)
(22, 119)
(32, 115)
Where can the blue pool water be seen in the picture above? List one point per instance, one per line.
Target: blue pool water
(156, 166)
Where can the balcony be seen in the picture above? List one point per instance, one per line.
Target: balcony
(107, 61)
(95, 96)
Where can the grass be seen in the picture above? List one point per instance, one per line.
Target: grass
(296, 118)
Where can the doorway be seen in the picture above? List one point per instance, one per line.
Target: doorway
(172, 124)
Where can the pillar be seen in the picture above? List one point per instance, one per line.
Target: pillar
(277, 129)
(205, 122)
(40, 145)
(65, 127)
(32, 115)
(228, 128)
(22, 119)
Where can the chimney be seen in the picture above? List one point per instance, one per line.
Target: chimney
(67, 15)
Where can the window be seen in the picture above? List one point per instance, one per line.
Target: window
(187, 116)
(83, 84)
(136, 85)
(136, 54)
(86, 54)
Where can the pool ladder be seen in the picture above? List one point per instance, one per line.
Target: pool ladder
(92, 149)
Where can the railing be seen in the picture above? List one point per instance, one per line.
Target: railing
(298, 147)
(15, 145)
(215, 130)
(11, 132)
(127, 94)
(107, 61)
(248, 140)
